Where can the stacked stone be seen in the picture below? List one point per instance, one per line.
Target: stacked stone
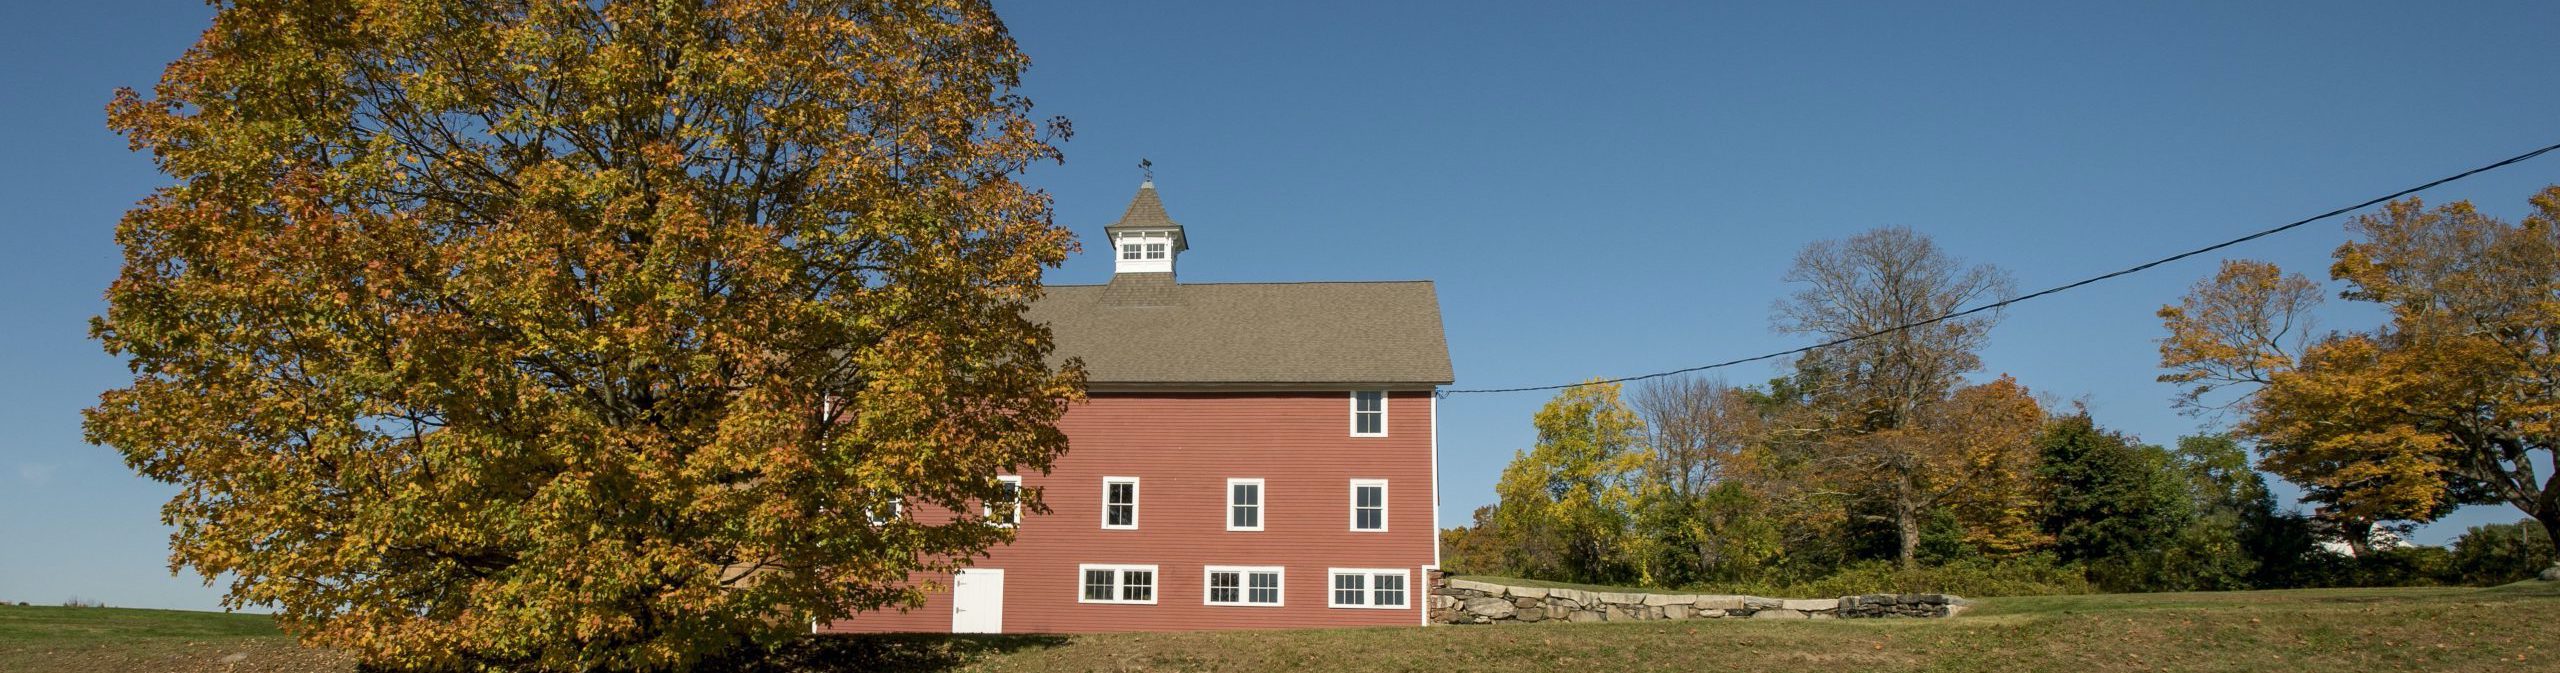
(1900, 605)
(1455, 601)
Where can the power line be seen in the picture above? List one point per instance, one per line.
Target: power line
(1993, 306)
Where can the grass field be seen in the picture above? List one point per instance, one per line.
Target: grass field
(118, 639)
(2509, 628)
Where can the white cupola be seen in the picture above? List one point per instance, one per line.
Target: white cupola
(1145, 240)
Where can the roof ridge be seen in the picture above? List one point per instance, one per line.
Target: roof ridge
(1274, 282)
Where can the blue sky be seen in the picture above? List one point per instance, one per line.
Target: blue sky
(1598, 190)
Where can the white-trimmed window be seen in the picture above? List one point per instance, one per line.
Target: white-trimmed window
(1244, 585)
(1368, 413)
(1120, 503)
(1110, 583)
(1144, 251)
(1244, 504)
(882, 514)
(1368, 504)
(1371, 588)
(1006, 510)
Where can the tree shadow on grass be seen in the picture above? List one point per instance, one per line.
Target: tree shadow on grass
(893, 653)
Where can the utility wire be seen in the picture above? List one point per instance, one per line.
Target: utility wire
(1997, 305)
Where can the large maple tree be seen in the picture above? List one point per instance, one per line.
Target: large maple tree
(572, 335)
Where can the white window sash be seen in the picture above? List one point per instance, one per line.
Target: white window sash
(1244, 586)
(1136, 496)
(1381, 485)
(1119, 583)
(988, 510)
(897, 510)
(1336, 590)
(1368, 590)
(1381, 413)
(1261, 495)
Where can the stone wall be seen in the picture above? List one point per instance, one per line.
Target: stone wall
(1456, 601)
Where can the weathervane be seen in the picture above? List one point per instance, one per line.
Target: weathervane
(1148, 168)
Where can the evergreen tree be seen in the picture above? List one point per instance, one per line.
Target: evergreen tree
(2111, 504)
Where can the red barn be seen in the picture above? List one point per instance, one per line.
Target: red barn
(1252, 455)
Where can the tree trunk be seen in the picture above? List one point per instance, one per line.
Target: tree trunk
(1706, 560)
(2359, 537)
(1906, 523)
(2549, 517)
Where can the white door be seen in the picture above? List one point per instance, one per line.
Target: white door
(977, 601)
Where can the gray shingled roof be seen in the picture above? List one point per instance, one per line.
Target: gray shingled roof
(1144, 330)
(1146, 211)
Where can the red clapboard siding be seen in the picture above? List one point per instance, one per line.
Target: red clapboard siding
(1183, 448)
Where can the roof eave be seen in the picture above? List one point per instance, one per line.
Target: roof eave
(1181, 237)
(1257, 386)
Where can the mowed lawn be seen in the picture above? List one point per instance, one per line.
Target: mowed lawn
(2510, 628)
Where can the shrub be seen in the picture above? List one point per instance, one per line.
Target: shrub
(2033, 575)
(2487, 555)
(2411, 566)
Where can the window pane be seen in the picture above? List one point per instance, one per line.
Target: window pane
(1370, 423)
(1007, 509)
(1097, 585)
(1369, 507)
(1137, 585)
(1120, 506)
(1348, 590)
(1371, 401)
(1266, 587)
(1244, 505)
(1223, 587)
(1389, 590)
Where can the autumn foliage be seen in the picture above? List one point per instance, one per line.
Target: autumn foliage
(1880, 463)
(1565, 501)
(2454, 400)
(582, 335)
(1877, 440)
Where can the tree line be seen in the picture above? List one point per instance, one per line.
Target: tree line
(1878, 464)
